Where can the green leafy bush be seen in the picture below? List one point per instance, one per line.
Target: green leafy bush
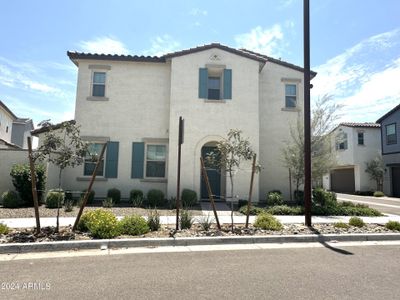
(21, 179)
(324, 198)
(285, 210)
(115, 195)
(242, 202)
(135, 194)
(267, 222)
(108, 202)
(11, 199)
(185, 219)
(379, 194)
(393, 225)
(55, 198)
(100, 223)
(172, 202)
(254, 210)
(356, 221)
(189, 198)
(134, 225)
(205, 222)
(4, 228)
(341, 225)
(155, 198)
(274, 198)
(90, 199)
(68, 205)
(153, 220)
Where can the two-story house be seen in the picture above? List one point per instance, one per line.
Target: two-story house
(13, 130)
(133, 103)
(390, 127)
(354, 144)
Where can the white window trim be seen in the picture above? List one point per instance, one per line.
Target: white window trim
(102, 142)
(98, 69)
(285, 83)
(145, 161)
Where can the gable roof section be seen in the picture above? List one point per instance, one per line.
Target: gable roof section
(364, 125)
(261, 58)
(10, 144)
(7, 110)
(393, 110)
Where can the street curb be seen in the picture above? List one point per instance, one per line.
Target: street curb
(190, 241)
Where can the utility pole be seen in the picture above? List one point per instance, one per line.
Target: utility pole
(307, 115)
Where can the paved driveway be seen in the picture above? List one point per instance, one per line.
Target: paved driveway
(387, 205)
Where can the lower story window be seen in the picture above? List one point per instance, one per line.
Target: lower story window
(156, 161)
(92, 155)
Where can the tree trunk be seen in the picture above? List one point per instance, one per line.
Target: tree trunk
(58, 201)
(231, 178)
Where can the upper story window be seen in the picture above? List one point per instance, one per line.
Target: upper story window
(99, 84)
(156, 161)
(91, 158)
(341, 141)
(290, 95)
(360, 138)
(391, 136)
(215, 83)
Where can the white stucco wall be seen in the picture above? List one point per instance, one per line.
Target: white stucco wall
(5, 121)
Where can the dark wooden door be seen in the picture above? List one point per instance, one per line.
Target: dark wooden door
(214, 176)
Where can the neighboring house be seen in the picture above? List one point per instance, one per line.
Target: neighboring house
(354, 144)
(390, 128)
(133, 103)
(13, 130)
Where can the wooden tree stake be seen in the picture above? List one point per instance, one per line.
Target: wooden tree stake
(253, 170)
(33, 181)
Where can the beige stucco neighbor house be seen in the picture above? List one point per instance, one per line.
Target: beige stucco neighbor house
(354, 144)
(133, 103)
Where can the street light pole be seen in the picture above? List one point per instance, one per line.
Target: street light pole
(307, 115)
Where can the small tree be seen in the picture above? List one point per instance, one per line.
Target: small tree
(376, 170)
(63, 147)
(229, 155)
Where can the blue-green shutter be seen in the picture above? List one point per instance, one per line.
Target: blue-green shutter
(227, 84)
(137, 160)
(112, 160)
(203, 78)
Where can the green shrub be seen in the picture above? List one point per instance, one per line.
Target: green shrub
(274, 198)
(21, 179)
(68, 205)
(254, 210)
(134, 225)
(101, 224)
(135, 194)
(324, 198)
(90, 199)
(82, 224)
(108, 202)
(393, 225)
(205, 222)
(185, 219)
(379, 194)
(341, 225)
(267, 222)
(55, 198)
(115, 195)
(4, 228)
(189, 198)
(11, 199)
(155, 198)
(356, 221)
(153, 220)
(242, 202)
(285, 210)
(275, 191)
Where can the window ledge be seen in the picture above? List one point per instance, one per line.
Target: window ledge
(214, 101)
(92, 98)
(290, 109)
(88, 178)
(161, 180)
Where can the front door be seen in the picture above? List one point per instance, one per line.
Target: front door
(396, 181)
(214, 176)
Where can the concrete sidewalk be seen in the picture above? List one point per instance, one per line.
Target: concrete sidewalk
(224, 219)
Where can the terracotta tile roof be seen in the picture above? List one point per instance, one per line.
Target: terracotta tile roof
(394, 109)
(73, 55)
(365, 124)
(52, 127)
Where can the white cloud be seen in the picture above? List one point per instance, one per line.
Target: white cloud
(104, 45)
(198, 12)
(364, 78)
(268, 41)
(161, 45)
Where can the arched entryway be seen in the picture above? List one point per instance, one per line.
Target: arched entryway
(215, 176)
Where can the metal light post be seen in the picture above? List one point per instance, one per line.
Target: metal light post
(307, 115)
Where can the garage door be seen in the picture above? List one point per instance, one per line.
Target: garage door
(342, 181)
(396, 181)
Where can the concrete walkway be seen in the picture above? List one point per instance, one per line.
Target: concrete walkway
(224, 219)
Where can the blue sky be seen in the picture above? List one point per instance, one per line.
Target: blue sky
(355, 45)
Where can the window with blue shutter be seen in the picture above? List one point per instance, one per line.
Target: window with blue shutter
(203, 83)
(137, 160)
(227, 84)
(215, 83)
(112, 160)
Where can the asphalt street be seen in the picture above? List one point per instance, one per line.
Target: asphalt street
(388, 205)
(330, 272)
